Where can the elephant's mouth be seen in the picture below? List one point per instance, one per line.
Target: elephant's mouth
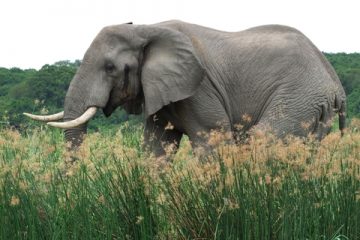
(118, 99)
(131, 106)
(111, 105)
(108, 109)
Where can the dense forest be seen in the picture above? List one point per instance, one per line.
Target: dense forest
(43, 91)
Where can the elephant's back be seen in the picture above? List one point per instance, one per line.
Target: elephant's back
(276, 53)
(262, 67)
(276, 65)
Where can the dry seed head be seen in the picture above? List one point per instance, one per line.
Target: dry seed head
(230, 154)
(305, 125)
(71, 169)
(161, 199)
(277, 181)
(169, 126)
(267, 179)
(44, 111)
(318, 205)
(230, 179)
(184, 152)
(246, 118)
(203, 134)
(331, 140)
(169, 148)
(238, 127)
(23, 185)
(13, 135)
(217, 137)
(14, 201)
(101, 199)
(49, 149)
(47, 177)
(357, 196)
(139, 219)
(231, 204)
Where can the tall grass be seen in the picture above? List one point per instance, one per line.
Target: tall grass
(264, 189)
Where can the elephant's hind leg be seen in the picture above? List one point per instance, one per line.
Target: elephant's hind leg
(300, 123)
(323, 122)
(283, 121)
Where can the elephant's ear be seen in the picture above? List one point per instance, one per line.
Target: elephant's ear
(171, 71)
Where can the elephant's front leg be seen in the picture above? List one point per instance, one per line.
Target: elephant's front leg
(160, 137)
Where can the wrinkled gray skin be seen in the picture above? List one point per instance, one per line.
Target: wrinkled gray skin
(199, 79)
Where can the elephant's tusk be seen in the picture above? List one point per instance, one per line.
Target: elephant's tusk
(46, 118)
(87, 115)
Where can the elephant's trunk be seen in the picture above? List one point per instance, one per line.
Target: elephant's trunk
(72, 112)
(75, 136)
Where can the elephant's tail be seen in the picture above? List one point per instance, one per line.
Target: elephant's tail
(342, 117)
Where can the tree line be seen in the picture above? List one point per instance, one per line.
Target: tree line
(43, 91)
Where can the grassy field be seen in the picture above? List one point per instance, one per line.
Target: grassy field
(264, 189)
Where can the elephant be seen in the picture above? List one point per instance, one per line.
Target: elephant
(197, 80)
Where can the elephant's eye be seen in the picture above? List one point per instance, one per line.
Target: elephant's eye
(110, 68)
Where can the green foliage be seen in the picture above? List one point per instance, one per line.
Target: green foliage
(353, 101)
(34, 91)
(11, 77)
(347, 67)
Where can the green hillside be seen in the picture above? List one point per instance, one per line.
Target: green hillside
(42, 91)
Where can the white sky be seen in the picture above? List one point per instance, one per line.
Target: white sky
(38, 32)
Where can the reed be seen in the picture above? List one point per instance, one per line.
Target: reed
(263, 189)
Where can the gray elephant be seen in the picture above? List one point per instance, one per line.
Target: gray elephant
(198, 79)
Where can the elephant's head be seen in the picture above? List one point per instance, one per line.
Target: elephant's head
(131, 66)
